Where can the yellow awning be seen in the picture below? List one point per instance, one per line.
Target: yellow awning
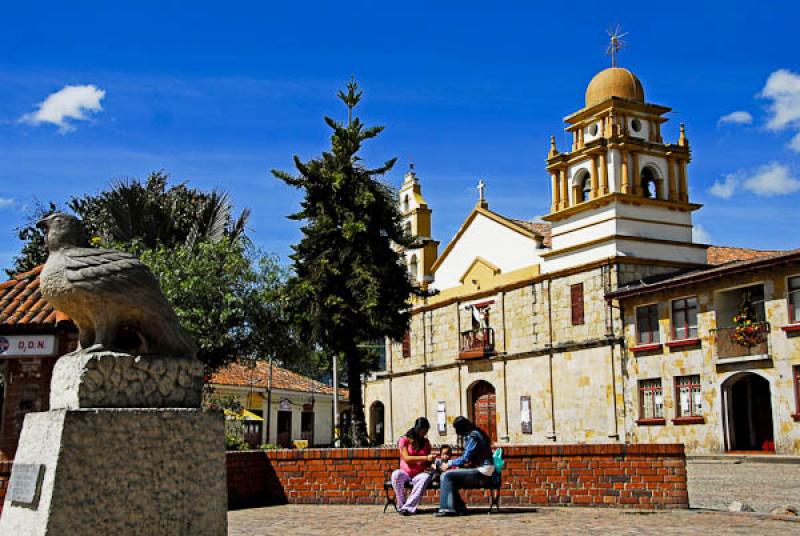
(243, 415)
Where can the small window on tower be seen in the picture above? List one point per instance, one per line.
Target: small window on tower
(593, 129)
(413, 267)
(405, 203)
(636, 125)
(649, 183)
(586, 188)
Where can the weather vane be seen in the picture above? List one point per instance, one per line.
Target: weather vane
(616, 43)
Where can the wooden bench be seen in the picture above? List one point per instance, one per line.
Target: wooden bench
(492, 484)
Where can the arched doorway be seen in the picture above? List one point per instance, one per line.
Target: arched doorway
(483, 408)
(748, 413)
(650, 183)
(376, 424)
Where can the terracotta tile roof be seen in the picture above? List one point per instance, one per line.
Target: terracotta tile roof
(540, 228)
(240, 374)
(21, 303)
(688, 277)
(722, 254)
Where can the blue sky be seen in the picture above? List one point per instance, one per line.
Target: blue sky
(220, 93)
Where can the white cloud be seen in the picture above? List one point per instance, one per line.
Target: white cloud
(700, 235)
(6, 202)
(794, 145)
(71, 102)
(738, 117)
(725, 188)
(783, 89)
(772, 179)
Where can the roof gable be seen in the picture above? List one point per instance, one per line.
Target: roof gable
(257, 374)
(503, 244)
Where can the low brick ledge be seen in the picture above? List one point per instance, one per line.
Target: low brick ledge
(509, 451)
(645, 476)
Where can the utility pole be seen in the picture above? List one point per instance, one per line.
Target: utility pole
(335, 403)
(269, 399)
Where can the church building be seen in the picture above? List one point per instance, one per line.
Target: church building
(606, 321)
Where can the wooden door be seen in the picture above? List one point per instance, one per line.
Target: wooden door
(285, 429)
(484, 408)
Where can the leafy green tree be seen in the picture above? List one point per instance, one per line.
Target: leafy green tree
(349, 285)
(228, 296)
(226, 293)
(148, 213)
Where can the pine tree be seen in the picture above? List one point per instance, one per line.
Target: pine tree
(349, 286)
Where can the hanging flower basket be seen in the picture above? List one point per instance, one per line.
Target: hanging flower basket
(746, 332)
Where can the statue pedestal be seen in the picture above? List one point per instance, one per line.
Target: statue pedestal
(119, 471)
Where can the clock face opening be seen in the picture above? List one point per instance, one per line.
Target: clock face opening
(593, 130)
(636, 125)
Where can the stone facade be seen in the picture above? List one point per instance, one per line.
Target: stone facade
(709, 358)
(532, 329)
(572, 373)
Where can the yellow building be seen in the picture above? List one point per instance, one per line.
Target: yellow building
(525, 334)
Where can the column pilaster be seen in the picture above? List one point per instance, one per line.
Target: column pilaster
(626, 182)
(603, 174)
(673, 193)
(556, 192)
(594, 177)
(683, 180)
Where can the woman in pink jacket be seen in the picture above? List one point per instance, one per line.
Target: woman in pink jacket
(415, 459)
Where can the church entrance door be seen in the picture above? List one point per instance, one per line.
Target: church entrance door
(484, 408)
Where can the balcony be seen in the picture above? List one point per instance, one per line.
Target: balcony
(745, 345)
(476, 343)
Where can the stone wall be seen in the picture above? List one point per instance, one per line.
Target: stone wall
(708, 434)
(572, 373)
(640, 476)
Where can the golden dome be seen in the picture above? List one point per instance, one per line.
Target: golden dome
(614, 82)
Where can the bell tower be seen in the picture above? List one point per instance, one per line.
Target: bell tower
(417, 223)
(620, 190)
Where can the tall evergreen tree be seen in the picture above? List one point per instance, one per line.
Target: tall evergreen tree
(349, 285)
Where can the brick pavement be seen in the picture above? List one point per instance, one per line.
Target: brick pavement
(716, 483)
(302, 520)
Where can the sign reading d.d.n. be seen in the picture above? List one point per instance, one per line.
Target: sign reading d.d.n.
(27, 345)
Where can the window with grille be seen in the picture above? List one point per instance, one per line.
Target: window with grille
(407, 343)
(684, 318)
(690, 399)
(651, 399)
(647, 324)
(794, 299)
(576, 301)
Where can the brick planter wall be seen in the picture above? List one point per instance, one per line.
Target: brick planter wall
(641, 476)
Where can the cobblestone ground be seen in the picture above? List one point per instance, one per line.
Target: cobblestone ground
(299, 520)
(715, 484)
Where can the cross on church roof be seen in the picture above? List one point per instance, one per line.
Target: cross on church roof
(481, 188)
(616, 43)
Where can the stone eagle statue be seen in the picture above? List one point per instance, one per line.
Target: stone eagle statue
(113, 298)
